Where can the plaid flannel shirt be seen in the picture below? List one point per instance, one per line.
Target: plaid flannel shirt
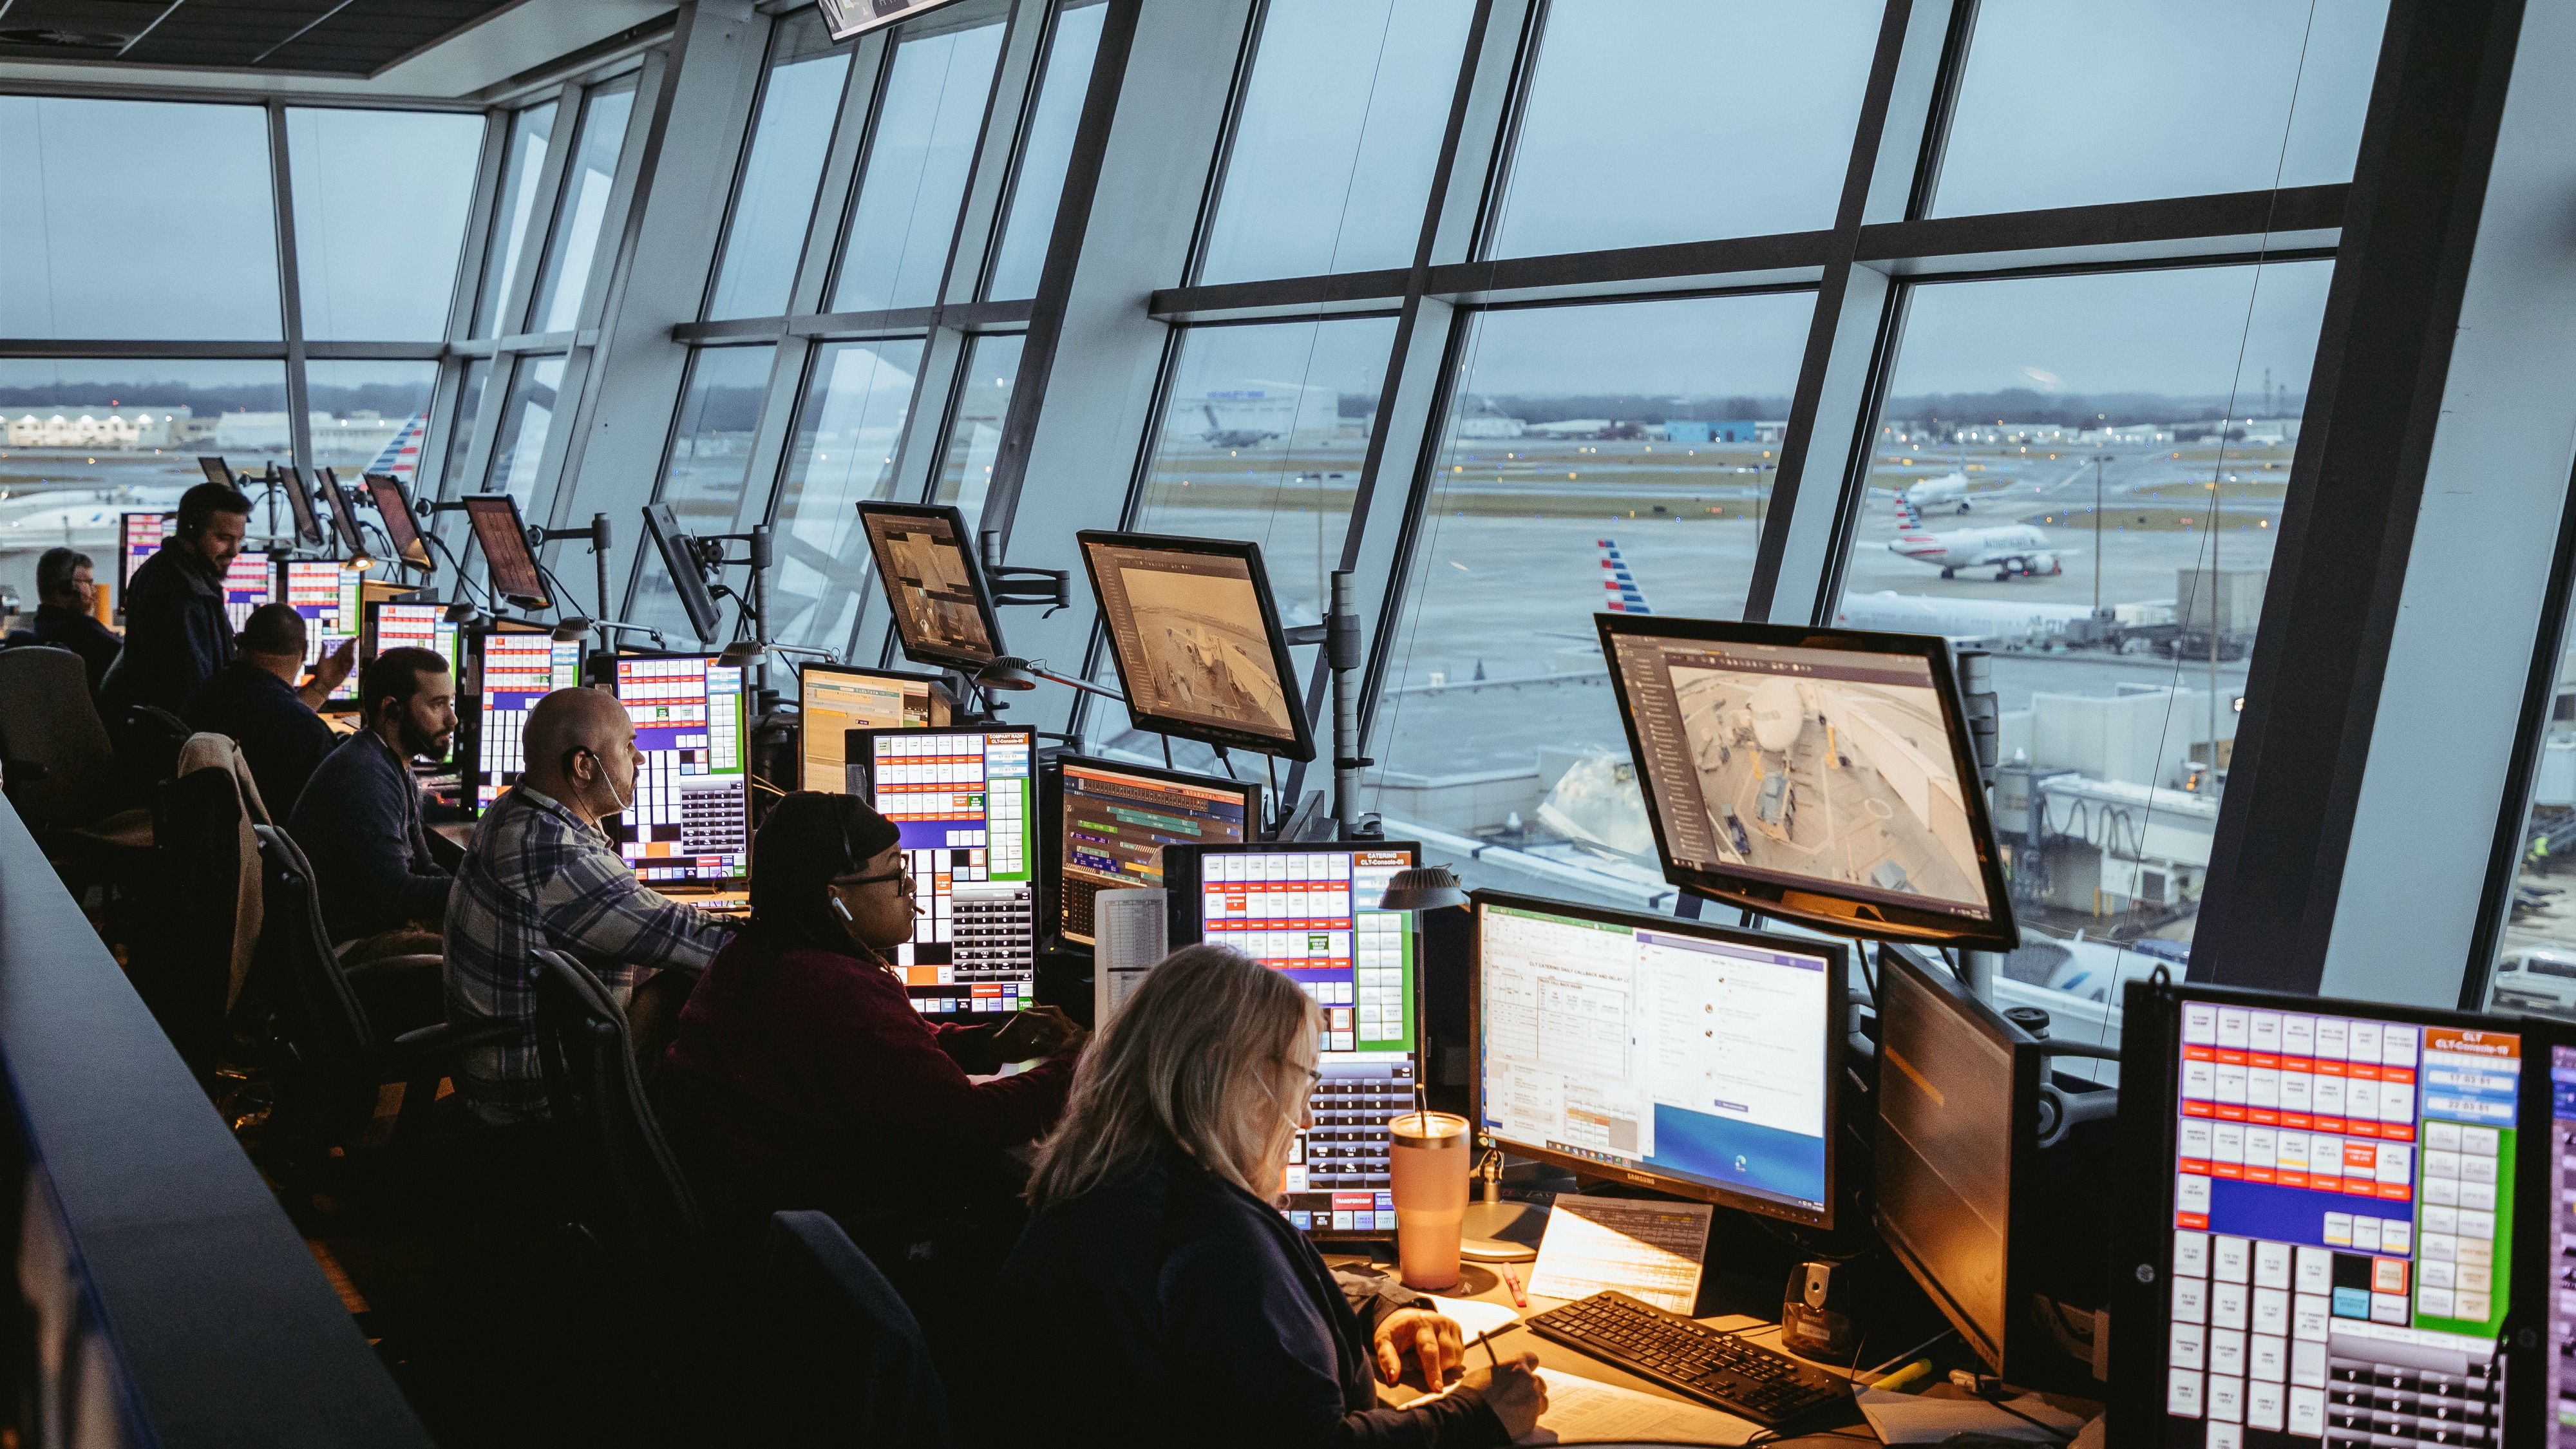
(536, 876)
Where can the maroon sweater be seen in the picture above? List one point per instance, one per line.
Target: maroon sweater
(803, 1078)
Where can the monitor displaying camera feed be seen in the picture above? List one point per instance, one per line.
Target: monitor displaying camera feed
(504, 540)
(344, 513)
(834, 699)
(1197, 641)
(1817, 775)
(402, 527)
(298, 487)
(216, 471)
(927, 560)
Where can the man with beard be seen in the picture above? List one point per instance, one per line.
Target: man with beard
(383, 877)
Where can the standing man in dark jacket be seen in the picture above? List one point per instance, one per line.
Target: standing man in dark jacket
(255, 701)
(176, 634)
(67, 612)
(383, 883)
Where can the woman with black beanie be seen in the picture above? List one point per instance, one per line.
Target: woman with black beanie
(801, 1077)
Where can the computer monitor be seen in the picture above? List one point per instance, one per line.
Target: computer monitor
(2318, 1229)
(1693, 1059)
(217, 471)
(250, 581)
(344, 514)
(140, 536)
(402, 526)
(1108, 821)
(834, 699)
(926, 559)
(1823, 776)
(1310, 912)
(2540, 1390)
(679, 555)
(965, 800)
(504, 540)
(328, 596)
(513, 670)
(1196, 637)
(691, 821)
(298, 488)
(410, 626)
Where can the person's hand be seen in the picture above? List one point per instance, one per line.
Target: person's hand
(1514, 1391)
(1431, 1338)
(1040, 1031)
(332, 669)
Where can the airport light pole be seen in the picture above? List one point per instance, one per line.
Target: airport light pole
(2098, 460)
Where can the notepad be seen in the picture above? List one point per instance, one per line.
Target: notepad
(1585, 1411)
(1474, 1316)
(1651, 1251)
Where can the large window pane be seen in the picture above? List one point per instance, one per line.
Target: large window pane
(527, 415)
(710, 460)
(366, 416)
(2121, 100)
(847, 431)
(1339, 133)
(376, 245)
(1641, 432)
(975, 434)
(915, 178)
(531, 131)
(74, 432)
(2067, 445)
(591, 176)
(1046, 152)
(1675, 120)
(783, 169)
(137, 219)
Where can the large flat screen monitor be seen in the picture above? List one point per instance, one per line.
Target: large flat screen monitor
(965, 803)
(926, 559)
(515, 670)
(140, 535)
(249, 582)
(504, 541)
(834, 699)
(344, 513)
(402, 526)
(1309, 911)
(411, 626)
(1693, 1059)
(1823, 776)
(691, 821)
(298, 489)
(327, 595)
(679, 555)
(1108, 821)
(217, 471)
(2319, 1227)
(1197, 641)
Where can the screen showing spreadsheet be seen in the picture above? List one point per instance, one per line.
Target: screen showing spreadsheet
(2342, 1226)
(518, 670)
(249, 582)
(832, 701)
(327, 595)
(412, 626)
(691, 820)
(142, 534)
(965, 802)
(1115, 822)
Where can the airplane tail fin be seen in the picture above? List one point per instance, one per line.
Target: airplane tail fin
(401, 457)
(1621, 585)
(1909, 518)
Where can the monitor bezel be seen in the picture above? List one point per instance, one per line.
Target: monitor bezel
(479, 506)
(679, 561)
(697, 884)
(344, 519)
(1809, 905)
(1051, 821)
(958, 659)
(1302, 747)
(1837, 958)
(402, 526)
(2143, 1205)
(939, 695)
(299, 502)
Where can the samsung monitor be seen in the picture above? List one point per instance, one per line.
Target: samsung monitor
(504, 541)
(328, 596)
(1693, 1059)
(965, 802)
(1822, 776)
(1310, 912)
(679, 556)
(410, 626)
(402, 526)
(2317, 1229)
(925, 557)
(1108, 821)
(250, 581)
(691, 820)
(513, 670)
(1196, 638)
(139, 537)
(344, 514)
(834, 699)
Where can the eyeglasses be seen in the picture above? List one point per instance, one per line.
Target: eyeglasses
(904, 875)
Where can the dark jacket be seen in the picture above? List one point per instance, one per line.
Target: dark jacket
(176, 635)
(280, 736)
(1170, 1302)
(359, 823)
(80, 633)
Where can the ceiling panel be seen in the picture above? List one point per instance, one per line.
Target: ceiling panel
(326, 37)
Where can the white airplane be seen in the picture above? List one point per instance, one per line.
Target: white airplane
(1959, 620)
(2015, 550)
(86, 519)
(1950, 487)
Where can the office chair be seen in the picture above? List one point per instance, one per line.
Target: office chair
(840, 1359)
(630, 1197)
(58, 768)
(653, 1017)
(193, 959)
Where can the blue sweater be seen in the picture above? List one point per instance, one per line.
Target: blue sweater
(359, 823)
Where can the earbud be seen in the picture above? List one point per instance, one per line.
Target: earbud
(844, 908)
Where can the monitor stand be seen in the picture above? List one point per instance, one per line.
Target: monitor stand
(1501, 1232)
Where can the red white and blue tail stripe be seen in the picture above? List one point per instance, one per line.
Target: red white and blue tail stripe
(1909, 519)
(401, 457)
(1625, 596)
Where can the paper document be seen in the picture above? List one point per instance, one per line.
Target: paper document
(1474, 1316)
(1583, 1411)
(1647, 1250)
(1919, 1419)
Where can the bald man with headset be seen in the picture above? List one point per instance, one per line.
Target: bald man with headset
(541, 873)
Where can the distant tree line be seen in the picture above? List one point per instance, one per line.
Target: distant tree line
(394, 400)
(2020, 405)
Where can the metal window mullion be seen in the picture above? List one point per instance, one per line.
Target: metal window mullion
(925, 421)
(290, 293)
(513, 316)
(988, 179)
(490, 417)
(836, 196)
(1212, 189)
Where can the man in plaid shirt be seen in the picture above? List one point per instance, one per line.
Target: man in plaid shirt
(540, 873)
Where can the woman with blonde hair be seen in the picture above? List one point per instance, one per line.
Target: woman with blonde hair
(1160, 1296)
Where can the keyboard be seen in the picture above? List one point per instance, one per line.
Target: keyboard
(1692, 1359)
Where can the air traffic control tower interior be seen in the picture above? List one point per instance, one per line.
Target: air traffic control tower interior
(978, 722)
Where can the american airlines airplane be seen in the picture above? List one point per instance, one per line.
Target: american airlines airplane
(1958, 620)
(1948, 488)
(2017, 550)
